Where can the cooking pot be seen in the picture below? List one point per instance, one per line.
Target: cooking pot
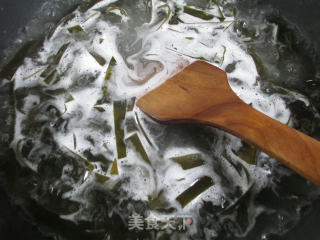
(14, 14)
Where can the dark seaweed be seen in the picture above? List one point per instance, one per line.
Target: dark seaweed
(8, 70)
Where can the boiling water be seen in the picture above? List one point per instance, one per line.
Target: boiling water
(66, 97)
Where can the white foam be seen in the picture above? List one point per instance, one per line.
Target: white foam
(168, 51)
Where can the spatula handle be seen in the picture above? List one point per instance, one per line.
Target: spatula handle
(293, 148)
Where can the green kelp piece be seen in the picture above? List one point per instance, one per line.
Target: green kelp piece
(189, 161)
(111, 15)
(247, 153)
(111, 65)
(168, 14)
(98, 58)
(32, 75)
(68, 97)
(259, 64)
(121, 10)
(99, 108)
(119, 113)
(105, 93)
(197, 13)
(238, 167)
(105, 96)
(198, 187)
(75, 29)
(74, 141)
(101, 40)
(100, 178)
(60, 53)
(150, 9)
(135, 140)
(130, 104)
(52, 76)
(65, 109)
(190, 38)
(54, 60)
(175, 20)
(222, 17)
(142, 130)
(171, 29)
(114, 168)
(57, 79)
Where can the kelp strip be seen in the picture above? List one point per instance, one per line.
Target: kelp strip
(119, 113)
(68, 97)
(65, 109)
(229, 26)
(197, 13)
(54, 60)
(222, 17)
(258, 62)
(142, 130)
(60, 53)
(111, 65)
(238, 166)
(168, 15)
(247, 153)
(101, 178)
(75, 29)
(31, 75)
(121, 10)
(175, 20)
(135, 140)
(99, 108)
(198, 187)
(111, 15)
(51, 77)
(104, 88)
(151, 10)
(98, 58)
(114, 168)
(74, 142)
(189, 161)
(171, 29)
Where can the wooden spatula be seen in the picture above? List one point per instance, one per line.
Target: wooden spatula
(201, 94)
